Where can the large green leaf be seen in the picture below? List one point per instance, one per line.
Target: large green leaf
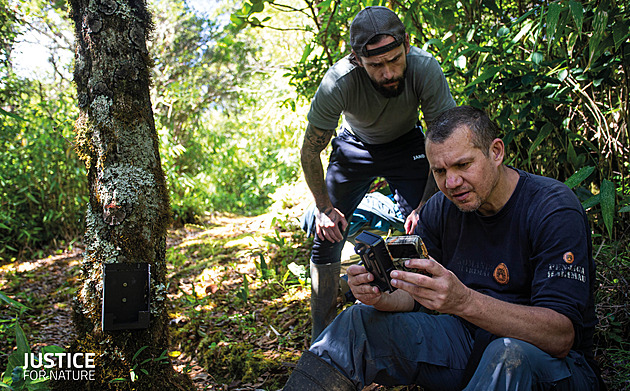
(591, 202)
(16, 359)
(307, 52)
(599, 29)
(577, 11)
(487, 74)
(542, 135)
(52, 349)
(552, 20)
(324, 5)
(607, 192)
(12, 302)
(579, 176)
(527, 26)
(14, 116)
(621, 32)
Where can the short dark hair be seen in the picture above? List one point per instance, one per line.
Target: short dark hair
(483, 129)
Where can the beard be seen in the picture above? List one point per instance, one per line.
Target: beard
(391, 92)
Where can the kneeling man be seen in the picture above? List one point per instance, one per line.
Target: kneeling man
(509, 284)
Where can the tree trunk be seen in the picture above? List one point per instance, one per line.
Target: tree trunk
(128, 211)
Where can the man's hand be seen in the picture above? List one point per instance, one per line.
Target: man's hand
(359, 281)
(412, 221)
(330, 225)
(429, 189)
(442, 291)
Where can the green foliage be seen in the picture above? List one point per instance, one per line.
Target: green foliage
(617, 360)
(42, 183)
(612, 335)
(287, 264)
(8, 33)
(225, 140)
(138, 366)
(553, 76)
(613, 271)
(13, 377)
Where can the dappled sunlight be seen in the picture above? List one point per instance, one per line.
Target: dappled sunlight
(248, 242)
(26, 266)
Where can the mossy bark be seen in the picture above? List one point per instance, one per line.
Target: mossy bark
(128, 211)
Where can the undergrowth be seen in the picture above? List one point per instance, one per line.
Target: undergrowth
(241, 308)
(612, 337)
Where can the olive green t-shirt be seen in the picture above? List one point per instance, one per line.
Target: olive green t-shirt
(347, 90)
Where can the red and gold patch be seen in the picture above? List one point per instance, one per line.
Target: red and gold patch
(568, 257)
(501, 274)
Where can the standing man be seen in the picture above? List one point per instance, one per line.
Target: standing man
(378, 89)
(510, 273)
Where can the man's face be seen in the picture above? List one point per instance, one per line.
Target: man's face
(464, 173)
(387, 70)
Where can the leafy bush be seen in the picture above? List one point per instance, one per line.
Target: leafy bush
(42, 183)
(553, 76)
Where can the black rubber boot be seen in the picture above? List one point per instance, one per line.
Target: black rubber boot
(314, 374)
(324, 290)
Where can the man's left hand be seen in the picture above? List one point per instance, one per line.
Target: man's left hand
(412, 222)
(442, 291)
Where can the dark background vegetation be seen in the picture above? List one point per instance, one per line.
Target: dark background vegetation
(231, 87)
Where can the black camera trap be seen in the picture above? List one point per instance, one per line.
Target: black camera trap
(380, 256)
(126, 288)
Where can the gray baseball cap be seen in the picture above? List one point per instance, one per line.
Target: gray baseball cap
(373, 21)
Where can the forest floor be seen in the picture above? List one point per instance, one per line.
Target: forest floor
(239, 299)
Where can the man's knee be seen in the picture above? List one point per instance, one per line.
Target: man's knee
(504, 365)
(342, 325)
(345, 334)
(512, 364)
(510, 352)
(325, 251)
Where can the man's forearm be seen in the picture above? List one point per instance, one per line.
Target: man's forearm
(315, 140)
(549, 330)
(397, 301)
(314, 176)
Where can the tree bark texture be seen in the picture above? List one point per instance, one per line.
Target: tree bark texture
(128, 211)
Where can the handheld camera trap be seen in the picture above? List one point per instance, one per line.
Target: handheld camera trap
(380, 256)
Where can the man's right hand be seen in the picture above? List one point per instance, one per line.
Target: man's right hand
(330, 225)
(359, 281)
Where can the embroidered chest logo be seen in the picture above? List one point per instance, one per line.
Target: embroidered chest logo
(416, 157)
(568, 257)
(501, 274)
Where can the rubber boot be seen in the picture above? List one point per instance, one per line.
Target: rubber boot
(324, 290)
(314, 374)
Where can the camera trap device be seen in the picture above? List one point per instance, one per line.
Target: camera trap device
(126, 288)
(381, 256)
